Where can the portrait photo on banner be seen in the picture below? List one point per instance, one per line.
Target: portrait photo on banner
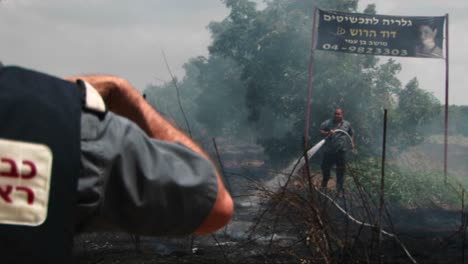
(428, 38)
(382, 35)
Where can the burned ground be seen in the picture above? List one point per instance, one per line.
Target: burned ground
(282, 226)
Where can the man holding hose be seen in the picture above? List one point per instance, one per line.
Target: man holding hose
(339, 133)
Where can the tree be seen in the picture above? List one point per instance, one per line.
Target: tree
(272, 47)
(165, 98)
(416, 108)
(255, 79)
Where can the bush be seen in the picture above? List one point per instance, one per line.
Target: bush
(409, 188)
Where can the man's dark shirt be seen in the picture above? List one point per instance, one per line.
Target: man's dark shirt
(338, 141)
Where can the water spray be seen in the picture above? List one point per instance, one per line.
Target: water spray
(299, 164)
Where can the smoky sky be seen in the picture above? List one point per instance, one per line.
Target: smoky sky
(126, 38)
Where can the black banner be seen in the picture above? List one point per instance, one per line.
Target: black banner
(405, 36)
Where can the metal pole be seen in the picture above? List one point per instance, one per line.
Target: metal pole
(446, 94)
(382, 184)
(311, 77)
(463, 226)
(309, 95)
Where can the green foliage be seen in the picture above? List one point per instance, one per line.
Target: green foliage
(221, 106)
(272, 48)
(416, 108)
(406, 188)
(165, 99)
(211, 95)
(457, 125)
(370, 9)
(461, 127)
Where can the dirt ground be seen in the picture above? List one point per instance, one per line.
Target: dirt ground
(107, 248)
(121, 248)
(439, 245)
(430, 235)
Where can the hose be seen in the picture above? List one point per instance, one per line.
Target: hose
(344, 132)
(295, 166)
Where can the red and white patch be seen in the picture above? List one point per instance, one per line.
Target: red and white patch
(25, 173)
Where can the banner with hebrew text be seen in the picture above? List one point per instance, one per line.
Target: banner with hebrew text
(405, 36)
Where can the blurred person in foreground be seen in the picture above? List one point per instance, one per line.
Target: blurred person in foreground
(90, 154)
(339, 136)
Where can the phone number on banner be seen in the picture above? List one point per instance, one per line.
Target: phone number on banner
(366, 50)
